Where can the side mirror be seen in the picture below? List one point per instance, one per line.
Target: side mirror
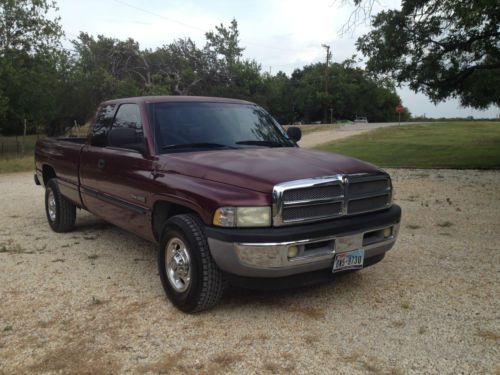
(126, 138)
(294, 133)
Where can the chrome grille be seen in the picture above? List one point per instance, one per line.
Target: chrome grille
(367, 204)
(313, 193)
(329, 197)
(367, 187)
(317, 211)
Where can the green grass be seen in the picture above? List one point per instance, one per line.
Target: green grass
(13, 165)
(439, 145)
(460, 145)
(11, 158)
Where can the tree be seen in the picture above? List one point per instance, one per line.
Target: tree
(225, 43)
(24, 26)
(443, 48)
(352, 91)
(276, 96)
(179, 67)
(29, 55)
(104, 67)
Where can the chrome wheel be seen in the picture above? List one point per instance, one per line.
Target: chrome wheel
(178, 264)
(51, 205)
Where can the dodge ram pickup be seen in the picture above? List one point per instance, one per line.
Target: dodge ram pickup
(224, 190)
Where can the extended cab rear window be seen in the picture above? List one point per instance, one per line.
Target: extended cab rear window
(103, 120)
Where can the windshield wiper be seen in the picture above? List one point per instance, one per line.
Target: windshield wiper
(195, 145)
(261, 143)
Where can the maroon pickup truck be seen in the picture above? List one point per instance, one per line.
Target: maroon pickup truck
(224, 190)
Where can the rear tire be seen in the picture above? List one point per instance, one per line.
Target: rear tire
(188, 273)
(61, 213)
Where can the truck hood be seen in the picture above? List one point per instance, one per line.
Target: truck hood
(260, 168)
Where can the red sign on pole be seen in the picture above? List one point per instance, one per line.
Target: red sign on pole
(399, 109)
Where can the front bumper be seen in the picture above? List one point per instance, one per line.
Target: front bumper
(263, 253)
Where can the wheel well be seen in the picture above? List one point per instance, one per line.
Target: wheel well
(162, 211)
(47, 173)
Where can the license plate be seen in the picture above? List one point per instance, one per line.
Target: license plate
(350, 260)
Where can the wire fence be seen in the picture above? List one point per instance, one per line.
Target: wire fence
(17, 147)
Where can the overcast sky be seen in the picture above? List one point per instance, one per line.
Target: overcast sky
(279, 34)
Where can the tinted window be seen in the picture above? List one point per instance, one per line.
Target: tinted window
(221, 124)
(104, 117)
(126, 131)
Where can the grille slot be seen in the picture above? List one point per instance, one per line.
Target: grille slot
(310, 212)
(312, 193)
(368, 204)
(367, 187)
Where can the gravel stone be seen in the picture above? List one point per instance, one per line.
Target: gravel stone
(90, 301)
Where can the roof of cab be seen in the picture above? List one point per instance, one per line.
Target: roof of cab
(178, 99)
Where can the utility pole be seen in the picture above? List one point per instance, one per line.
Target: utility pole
(328, 57)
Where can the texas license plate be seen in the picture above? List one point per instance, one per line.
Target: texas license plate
(350, 260)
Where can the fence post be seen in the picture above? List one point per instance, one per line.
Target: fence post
(24, 137)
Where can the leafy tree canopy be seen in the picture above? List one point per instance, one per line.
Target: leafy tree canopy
(443, 48)
(25, 26)
(29, 62)
(352, 92)
(47, 86)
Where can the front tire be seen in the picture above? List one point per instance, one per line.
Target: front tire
(61, 213)
(188, 273)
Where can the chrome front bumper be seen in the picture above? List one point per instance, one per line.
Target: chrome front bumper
(271, 259)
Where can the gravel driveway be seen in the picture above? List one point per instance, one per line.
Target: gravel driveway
(90, 301)
(327, 136)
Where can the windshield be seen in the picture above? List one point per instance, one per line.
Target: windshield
(194, 125)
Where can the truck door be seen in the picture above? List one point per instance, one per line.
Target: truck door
(124, 173)
(90, 166)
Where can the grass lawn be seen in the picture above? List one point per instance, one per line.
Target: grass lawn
(10, 160)
(439, 145)
(22, 164)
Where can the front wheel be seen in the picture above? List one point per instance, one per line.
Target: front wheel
(189, 275)
(61, 213)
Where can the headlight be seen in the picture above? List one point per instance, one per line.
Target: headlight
(243, 217)
(253, 216)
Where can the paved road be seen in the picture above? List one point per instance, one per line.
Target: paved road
(326, 136)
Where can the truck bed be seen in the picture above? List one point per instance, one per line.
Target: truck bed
(63, 155)
(78, 140)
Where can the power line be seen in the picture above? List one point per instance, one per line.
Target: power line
(159, 15)
(198, 28)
